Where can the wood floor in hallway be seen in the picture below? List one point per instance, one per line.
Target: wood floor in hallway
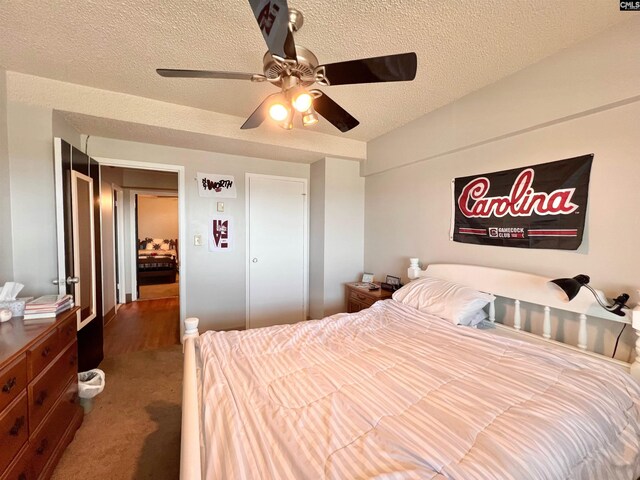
(143, 325)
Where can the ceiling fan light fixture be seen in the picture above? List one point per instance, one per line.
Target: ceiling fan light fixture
(303, 101)
(309, 118)
(287, 124)
(278, 112)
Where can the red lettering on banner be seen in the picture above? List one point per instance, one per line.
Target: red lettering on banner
(521, 201)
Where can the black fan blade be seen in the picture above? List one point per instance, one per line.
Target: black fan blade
(390, 68)
(273, 19)
(175, 73)
(334, 113)
(259, 115)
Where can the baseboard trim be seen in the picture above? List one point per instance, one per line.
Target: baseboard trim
(110, 315)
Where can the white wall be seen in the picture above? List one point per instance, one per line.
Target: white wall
(141, 179)
(158, 217)
(408, 208)
(62, 129)
(337, 229)
(215, 281)
(30, 131)
(316, 239)
(32, 198)
(6, 244)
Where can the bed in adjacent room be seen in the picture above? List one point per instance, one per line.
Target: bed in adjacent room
(395, 392)
(157, 261)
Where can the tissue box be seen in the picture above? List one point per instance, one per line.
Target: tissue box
(16, 306)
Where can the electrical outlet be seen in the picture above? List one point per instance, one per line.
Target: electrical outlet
(197, 240)
(221, 206)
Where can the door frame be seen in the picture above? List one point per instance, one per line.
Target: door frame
(61, 268)
(247, 203)
(182, 217)
(118, 244)
(133, 240)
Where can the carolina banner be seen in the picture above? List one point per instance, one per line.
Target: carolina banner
(541, 206)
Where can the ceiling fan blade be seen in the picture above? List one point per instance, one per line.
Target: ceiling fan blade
(259, 115)
(334, 113)
(176, 73)
(389, 68)
(273, 19)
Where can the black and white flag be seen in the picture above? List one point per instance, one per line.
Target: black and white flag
(541, 206)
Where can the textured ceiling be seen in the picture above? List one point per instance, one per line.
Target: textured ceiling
(461, 47)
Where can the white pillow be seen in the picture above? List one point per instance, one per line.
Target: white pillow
(443, 299)
(474, 319)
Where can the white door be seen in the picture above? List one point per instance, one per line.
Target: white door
(277, 250)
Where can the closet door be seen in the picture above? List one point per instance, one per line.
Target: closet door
(77, 178)
(277, 285)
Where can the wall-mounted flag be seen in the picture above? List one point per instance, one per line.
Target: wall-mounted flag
(540, 206)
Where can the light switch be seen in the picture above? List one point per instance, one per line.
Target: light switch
(197, 240)
(221, 206)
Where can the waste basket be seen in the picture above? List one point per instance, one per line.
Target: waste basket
(90, 384)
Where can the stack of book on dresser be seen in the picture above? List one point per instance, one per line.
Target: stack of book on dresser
(44, 309)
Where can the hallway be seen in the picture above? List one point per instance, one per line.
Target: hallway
(143, 325)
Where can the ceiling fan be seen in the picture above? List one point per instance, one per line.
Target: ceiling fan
(293, 69)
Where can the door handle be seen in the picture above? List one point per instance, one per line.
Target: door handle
(58, 281)
(254, 260)
(73, 280)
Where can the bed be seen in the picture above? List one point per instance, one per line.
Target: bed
(157, 261)
(392, 392)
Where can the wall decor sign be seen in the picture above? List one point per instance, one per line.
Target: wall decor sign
(541, 206)
(220, 233)
(215, 185)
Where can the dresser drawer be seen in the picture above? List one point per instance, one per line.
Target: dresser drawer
(41, 354)
(45, 389)
(13, 430)
(67, 331)
(20, 468)
(353, 307)
(45, 440)
(13, 379)
(363, 299)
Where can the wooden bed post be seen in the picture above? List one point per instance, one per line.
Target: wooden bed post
(635, 323)
(190, 466)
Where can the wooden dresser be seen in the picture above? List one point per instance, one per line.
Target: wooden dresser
(39, 409)
(359, 298)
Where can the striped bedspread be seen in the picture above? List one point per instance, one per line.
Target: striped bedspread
(391, 393)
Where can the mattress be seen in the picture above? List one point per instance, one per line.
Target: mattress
(392, 393)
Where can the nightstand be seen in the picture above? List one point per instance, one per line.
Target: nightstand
(359, 298)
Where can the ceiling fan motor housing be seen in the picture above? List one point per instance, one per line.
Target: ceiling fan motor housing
(303, 69)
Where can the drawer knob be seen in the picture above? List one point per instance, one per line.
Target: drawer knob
(46, 352)
(42, 396)
(22, 476)
(18, 424)
(7, 387)
(72, 360)
(43, 446)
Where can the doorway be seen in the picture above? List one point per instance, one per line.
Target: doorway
(277, 247)
(157, 236)
(140, 253)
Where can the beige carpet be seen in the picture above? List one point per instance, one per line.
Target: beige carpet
(133, 431)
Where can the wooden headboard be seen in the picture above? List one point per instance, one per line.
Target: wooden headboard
(530, 288)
